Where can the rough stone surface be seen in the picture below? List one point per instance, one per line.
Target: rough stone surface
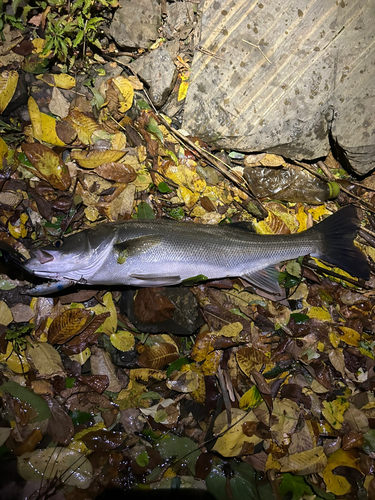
(318, 81)
(136, 23)
(158, 71)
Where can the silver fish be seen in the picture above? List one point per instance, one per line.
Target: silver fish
(144, 252)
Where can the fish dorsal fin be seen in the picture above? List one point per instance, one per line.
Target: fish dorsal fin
(244, 226)
(265, 279)
(137, 245)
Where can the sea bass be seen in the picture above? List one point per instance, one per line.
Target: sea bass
(149, 252)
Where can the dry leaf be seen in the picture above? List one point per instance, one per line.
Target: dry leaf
(118, 172)
(69, 324)
(158, 355)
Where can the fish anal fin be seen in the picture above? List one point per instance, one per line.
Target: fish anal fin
(265, 279)
(243, 225)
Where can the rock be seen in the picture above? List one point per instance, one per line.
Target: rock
(308, 73)
(186, 317)
(135, 24)
(158, 71)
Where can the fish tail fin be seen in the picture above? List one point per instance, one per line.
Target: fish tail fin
(338, 232)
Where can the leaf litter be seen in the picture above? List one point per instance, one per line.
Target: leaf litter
(268, 398)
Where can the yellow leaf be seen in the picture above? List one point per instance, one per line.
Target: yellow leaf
(118, 141)
(234, 439)
(306, 462)
(334, 411)
(83, 125)
(146, 374)
(62, 80)
(319, 211)
(251, 399)
(35, 117)
(8, 84)
(96, 157)
(301, 217)
(336, 484)
(39, 44)
(18, 230)
(3, 150)
(350, 337)
(231, 330)
(334, 339)
(319, 313)
(199, 395)
(95, 427)
(127, 92)
(82, 356)
(110, 324)
(44, 126)
(182, 90)
(16, 363)
(123, 341)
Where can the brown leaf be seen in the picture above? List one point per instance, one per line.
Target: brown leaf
(60, 425)
(48, 165)
(158, 355)
(69, 324)
(98, 383)
(102, 440)
(150, 306)
(118, 172)
(87, 337)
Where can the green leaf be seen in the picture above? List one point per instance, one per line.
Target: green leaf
(79, 417)
(176, 213)
(150, 395)
(142, 104)
(69, 382)
(176, 365)
(144, 211)
(194, 279)
(142, 459)
(153, 128)
(34, 400)
(164, 188)
(78, 38)
(299, 318)
(295, 485)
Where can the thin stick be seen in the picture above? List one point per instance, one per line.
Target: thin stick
(260, 50)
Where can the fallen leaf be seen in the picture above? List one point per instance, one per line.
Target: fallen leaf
(8, 85)
(48, 165)
(158, 355)
(118, 172)
(69, 324)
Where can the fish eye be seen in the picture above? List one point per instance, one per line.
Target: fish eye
(58, 243)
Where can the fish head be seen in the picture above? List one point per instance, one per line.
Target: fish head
(61, 258)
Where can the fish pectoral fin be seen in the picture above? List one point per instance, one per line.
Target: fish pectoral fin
(265, 279)
(137, 245)
(156, 279)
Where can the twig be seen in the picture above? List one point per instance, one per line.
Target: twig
(208, 52)
(322, 270)
(260, 50)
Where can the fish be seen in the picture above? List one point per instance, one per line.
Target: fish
(162, 252)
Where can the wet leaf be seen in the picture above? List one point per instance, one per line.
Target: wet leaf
(61, 80)
(48, 165)
(83, 125)
(44, 359)
(69, 324)
(295, 485)
(24, 394)
(69, 466)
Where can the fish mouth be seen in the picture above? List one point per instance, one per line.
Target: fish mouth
(42, 256)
